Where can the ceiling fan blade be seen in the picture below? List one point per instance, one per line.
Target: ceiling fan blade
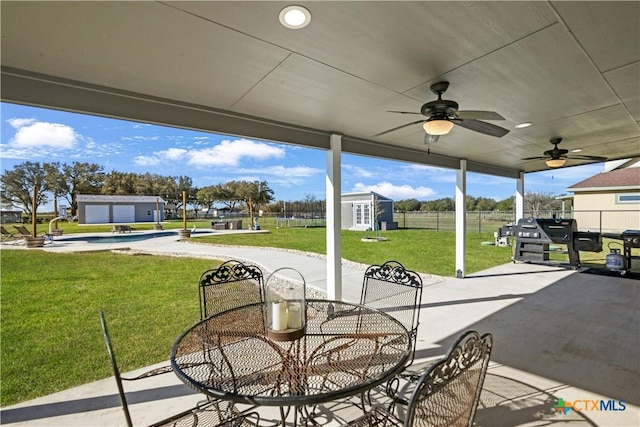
(399, 127)
(596, 158)
(479, 115)
(482, 127)
(535, 158)
(403, 112)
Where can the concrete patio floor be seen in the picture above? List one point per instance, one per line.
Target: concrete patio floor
(559, 334)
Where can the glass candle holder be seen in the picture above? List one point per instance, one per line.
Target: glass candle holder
(285, 306)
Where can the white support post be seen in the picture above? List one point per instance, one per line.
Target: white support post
(520, 197)
(334, 238)
(461, 218)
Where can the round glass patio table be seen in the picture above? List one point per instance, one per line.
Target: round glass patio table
(347, 349)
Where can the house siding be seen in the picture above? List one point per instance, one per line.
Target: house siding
(595, 199)
(586, 203)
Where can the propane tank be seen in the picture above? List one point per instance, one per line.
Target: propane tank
(615, 260)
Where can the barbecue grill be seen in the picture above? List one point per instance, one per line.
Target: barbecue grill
(533, 236)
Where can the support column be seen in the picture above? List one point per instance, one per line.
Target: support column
(334, 238)
(520, 197)
(461, 218)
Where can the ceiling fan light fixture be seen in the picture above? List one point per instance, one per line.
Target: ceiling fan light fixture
(555, 163)
(523, 125)
(438, 127)
(295, 17)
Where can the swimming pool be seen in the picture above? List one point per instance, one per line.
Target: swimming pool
(121, 238)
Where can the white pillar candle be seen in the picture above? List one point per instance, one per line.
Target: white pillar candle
(279, 316)
(295, 317)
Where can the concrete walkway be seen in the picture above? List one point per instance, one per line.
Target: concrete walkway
(558, 334)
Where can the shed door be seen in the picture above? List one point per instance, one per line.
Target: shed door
(362, 214)
(96, 214)
(124, 213)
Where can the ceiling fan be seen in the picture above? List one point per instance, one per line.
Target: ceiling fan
(557, 157)
(442, 114)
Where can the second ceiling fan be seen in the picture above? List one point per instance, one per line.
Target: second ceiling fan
(442, 114)
(557, 157)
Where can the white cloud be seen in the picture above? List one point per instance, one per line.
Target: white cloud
(358, 171)
(18, 123)
(231, 153)
(432, 173)
(226, 154)
(147, 160)
(397, 192)
(34, 134)
(283, 171)
(249, 178)
(281, 175)
(174, 153)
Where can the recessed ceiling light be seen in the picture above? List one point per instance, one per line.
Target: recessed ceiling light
(523, 125)
(295, 17)
(577, 150)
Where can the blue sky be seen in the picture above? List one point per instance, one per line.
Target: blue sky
(293, 172)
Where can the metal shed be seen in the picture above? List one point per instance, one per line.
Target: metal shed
(360, 211)
(119, 209)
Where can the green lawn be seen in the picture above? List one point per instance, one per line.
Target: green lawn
(51, 337)
(426, 251)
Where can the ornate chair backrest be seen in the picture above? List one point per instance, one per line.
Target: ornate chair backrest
(232, 284)
(447, 394)
(396, 291)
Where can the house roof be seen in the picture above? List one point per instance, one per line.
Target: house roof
(368, 193)
(628, 178)
(117, 198)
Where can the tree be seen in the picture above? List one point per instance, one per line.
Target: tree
(229, 194)
(18, 186)
(540, 201)
(485, 204)
(182, 183)
(117, 182)
(87, 178)
(408, 205)
(310, 203)
(55, 182)
(444, 204)
(254, 195)
(206, 196)
(507, 204)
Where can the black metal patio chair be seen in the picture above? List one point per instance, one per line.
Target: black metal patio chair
(208, 413)
(393, 289)
(447, 393)
(230, 285)
(398, 292)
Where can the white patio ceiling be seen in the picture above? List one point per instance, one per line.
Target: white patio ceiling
(571, 68)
